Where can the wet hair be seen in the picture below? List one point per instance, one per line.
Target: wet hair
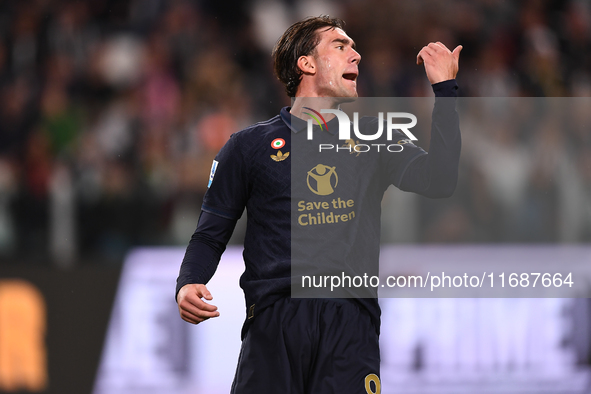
(300, 39)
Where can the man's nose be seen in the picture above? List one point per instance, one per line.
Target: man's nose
(356, 57)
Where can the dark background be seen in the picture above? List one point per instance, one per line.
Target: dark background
(121, 106)
(78, 306)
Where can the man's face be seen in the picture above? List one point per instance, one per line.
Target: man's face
(336, 62)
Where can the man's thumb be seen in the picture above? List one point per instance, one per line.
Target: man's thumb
(205, 293)
(457, 51)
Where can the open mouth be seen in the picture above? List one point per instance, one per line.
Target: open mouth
(350, 76)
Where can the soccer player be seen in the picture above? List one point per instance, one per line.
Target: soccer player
(307, 345)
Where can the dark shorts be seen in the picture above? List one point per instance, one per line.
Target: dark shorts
(309, 346)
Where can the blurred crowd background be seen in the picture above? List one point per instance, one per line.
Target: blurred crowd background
(112, 111)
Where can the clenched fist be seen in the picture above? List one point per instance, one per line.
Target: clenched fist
(191, 306)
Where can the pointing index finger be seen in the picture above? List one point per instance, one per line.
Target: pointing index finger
(422, 54)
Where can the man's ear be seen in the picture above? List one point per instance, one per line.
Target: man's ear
(307, 64)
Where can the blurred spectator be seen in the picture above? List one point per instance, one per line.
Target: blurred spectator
(129, 101)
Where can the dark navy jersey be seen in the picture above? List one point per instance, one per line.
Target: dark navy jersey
(248, 177)
(257, 170)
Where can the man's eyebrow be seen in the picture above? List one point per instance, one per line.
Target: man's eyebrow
(345, 41)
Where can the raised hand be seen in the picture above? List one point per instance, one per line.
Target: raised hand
(441, 64)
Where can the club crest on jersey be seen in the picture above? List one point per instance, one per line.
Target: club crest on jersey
(351, 144)
(214, 167)
(278, 143)
(280, 156)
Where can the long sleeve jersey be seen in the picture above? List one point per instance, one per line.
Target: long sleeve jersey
(319, 211)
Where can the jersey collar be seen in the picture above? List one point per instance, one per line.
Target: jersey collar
(296, 124)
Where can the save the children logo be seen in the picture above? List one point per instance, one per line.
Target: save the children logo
(324, 180)
(345, 130)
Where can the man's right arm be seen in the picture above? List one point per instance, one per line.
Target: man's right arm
(223, 205)
(199, 264)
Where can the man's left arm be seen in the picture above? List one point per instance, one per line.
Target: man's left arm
(435, 174)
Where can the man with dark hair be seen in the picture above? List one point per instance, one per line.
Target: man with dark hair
(306, 345)
(300, 39)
